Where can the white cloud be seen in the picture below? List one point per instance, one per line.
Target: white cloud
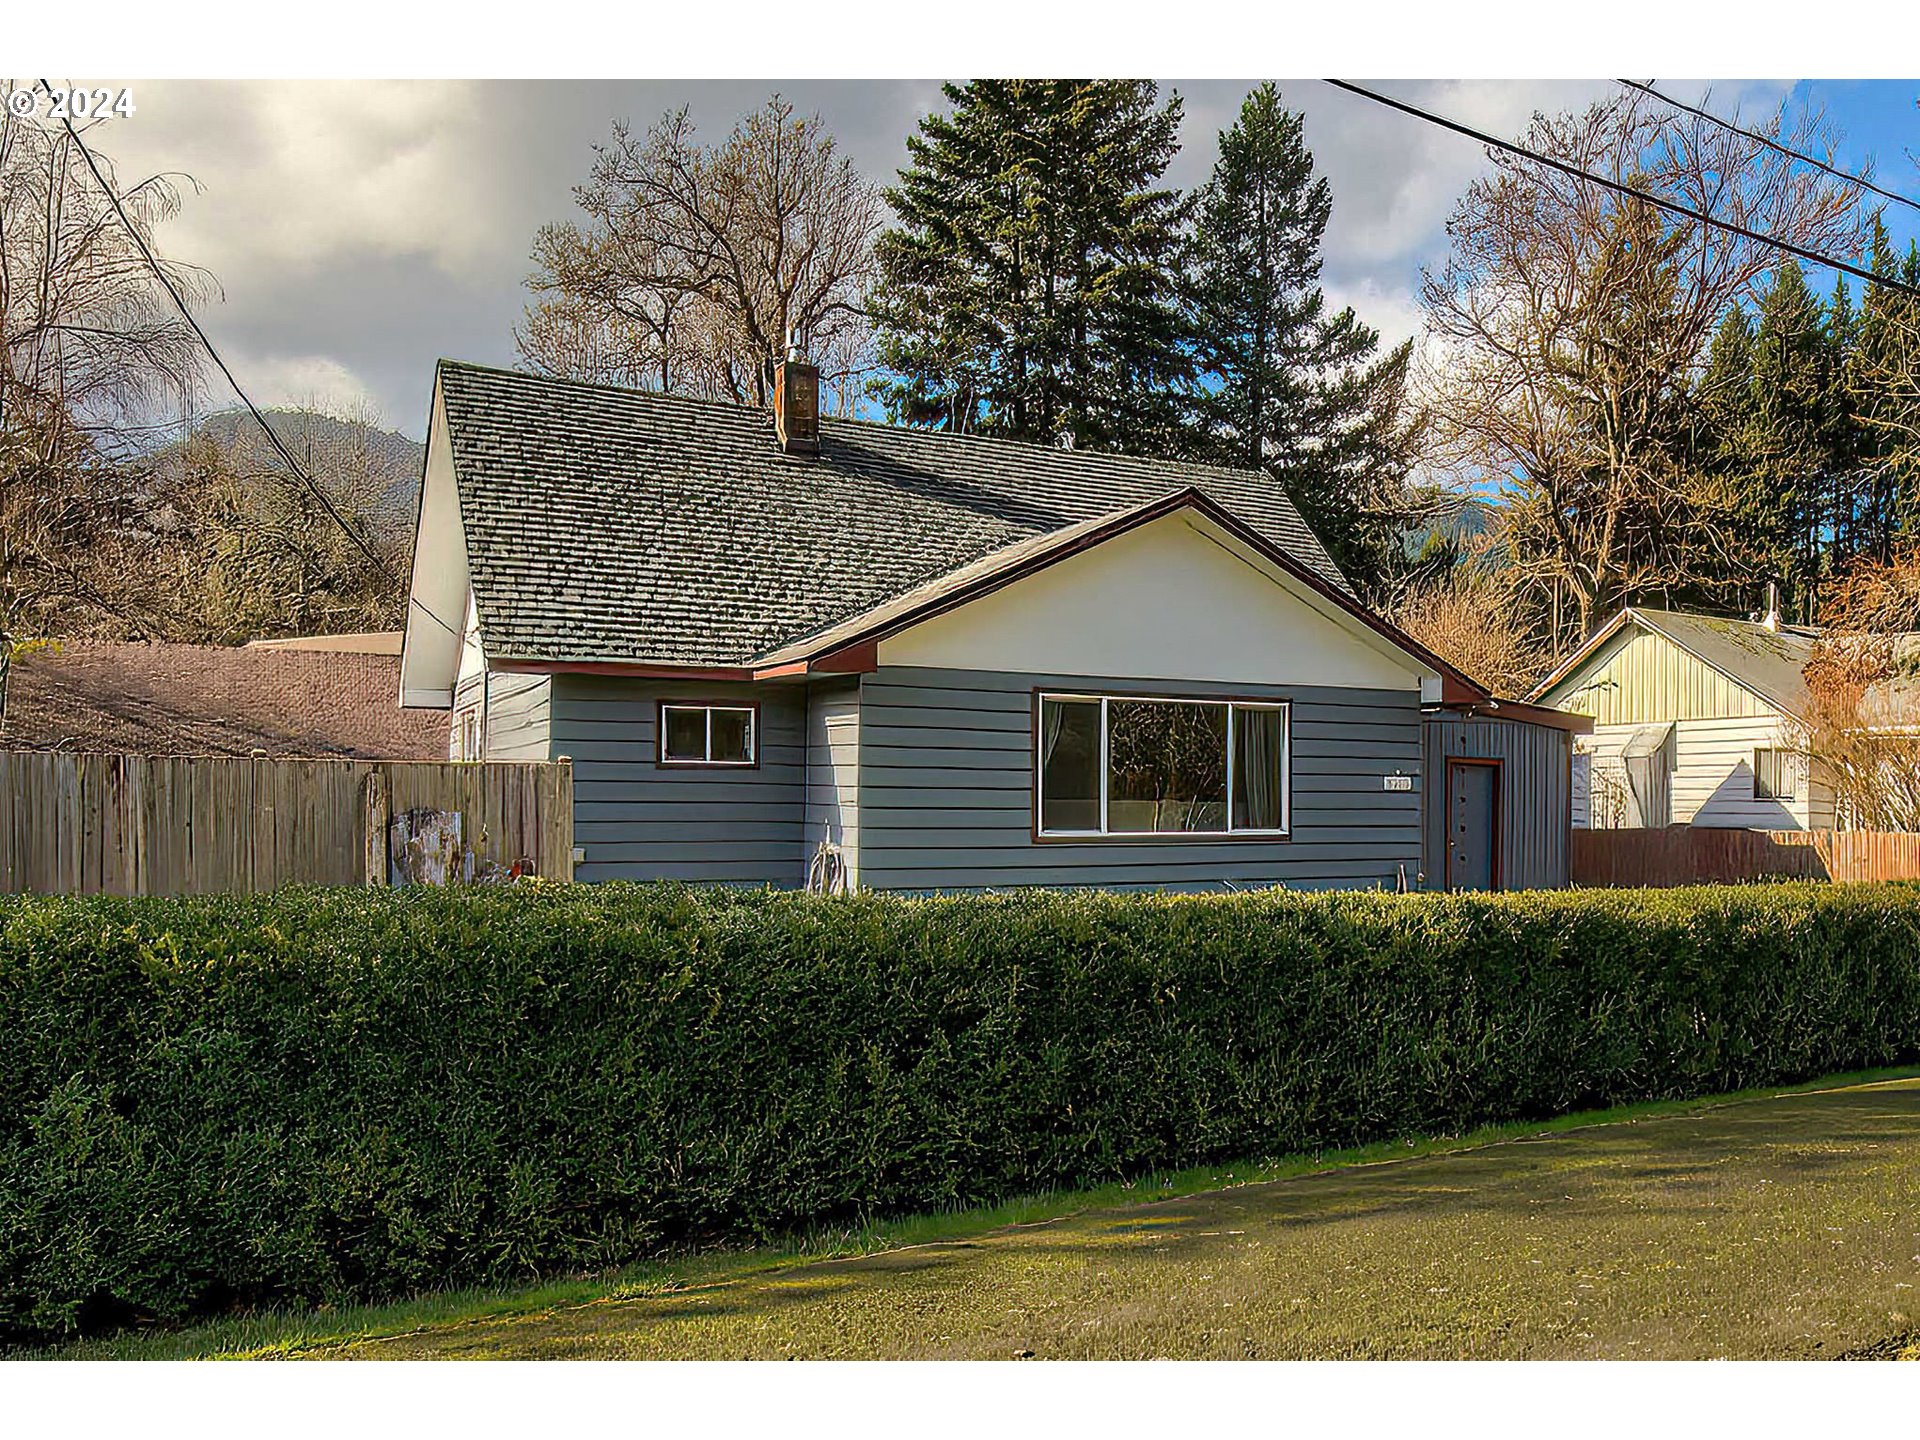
(297, 174)
(317, 381)
(1392, 309)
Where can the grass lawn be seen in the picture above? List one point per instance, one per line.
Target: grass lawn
(1771, 1226)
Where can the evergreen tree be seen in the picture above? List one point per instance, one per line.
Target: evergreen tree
(1884, 420)
(1795, 441)
(1284, 384)
(1031, 286)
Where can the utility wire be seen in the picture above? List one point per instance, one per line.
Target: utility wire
(273, 437)
(1771, 144)
(1660, 202)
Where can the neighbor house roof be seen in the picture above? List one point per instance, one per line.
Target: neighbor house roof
(607, 525)
(1768, 662)
(358, 642)
(214, 700)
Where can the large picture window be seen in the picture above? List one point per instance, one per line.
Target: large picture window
(1111, 765)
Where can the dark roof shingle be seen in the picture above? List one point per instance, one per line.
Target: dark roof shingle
(618, 525)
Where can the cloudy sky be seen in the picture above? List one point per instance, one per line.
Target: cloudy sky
(362, 229)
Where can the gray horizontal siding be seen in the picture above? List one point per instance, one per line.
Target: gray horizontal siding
(1536, 803)
(946, 790)
(637, 821)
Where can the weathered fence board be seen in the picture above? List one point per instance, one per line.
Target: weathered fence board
(173, 825)
(1697, 855)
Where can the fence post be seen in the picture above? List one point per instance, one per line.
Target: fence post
(377, 806)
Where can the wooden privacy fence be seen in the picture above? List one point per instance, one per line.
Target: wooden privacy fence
(1689, 855)
(201, 824)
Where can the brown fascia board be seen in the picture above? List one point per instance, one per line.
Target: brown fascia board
(1522, 711)
(635, 670)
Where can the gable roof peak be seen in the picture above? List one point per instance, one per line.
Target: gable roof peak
(610, 525)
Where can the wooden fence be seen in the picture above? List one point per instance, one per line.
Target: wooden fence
(1689, 855)
(178, 825)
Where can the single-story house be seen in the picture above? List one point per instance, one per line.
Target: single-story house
(960, 663)
(1699, 720)
(308, 698)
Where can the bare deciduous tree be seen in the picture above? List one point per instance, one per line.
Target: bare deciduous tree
(1472, 620)
(1864, 687)
(245, 549)
(1570, 325)
(92, 351)
(696, 265)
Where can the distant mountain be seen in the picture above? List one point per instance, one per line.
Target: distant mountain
(1461, 526)
(306, 432)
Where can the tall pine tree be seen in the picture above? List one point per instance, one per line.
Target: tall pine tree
(1886, 413)
(1285, 385)
(1031, 286)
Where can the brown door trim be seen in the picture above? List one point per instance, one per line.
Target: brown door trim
(1496, 818)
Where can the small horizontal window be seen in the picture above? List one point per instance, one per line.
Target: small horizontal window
(707, 735)
(1136, 766)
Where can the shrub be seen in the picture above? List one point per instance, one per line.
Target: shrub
(330, 1095)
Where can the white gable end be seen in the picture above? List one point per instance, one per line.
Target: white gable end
(431, 653)
(1175, 599)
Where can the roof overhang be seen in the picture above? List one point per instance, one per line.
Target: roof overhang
(849, 660)
(1570, 721)
(858, 637)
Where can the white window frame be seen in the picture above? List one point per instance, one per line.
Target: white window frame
(1233, 703)
(752, 712)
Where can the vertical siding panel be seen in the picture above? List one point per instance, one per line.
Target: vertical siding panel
(1536, 804)
(1640, 678)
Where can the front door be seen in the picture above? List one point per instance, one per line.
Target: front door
(1473, 824)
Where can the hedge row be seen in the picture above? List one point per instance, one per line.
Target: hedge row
(318, 1096)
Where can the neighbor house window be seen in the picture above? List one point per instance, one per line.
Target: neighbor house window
(1130, 766)
(708, 734)
(1774, 775)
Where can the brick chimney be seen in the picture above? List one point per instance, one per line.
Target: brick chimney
(796, 405)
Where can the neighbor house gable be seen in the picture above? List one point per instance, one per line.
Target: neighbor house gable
(1635, 671)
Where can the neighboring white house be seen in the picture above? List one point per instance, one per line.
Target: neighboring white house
(1698, 721)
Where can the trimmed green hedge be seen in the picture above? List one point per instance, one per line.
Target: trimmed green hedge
(327, 1095)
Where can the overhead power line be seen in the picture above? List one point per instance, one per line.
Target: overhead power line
(1673, 207)
(1770, 143)
(273, 437)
